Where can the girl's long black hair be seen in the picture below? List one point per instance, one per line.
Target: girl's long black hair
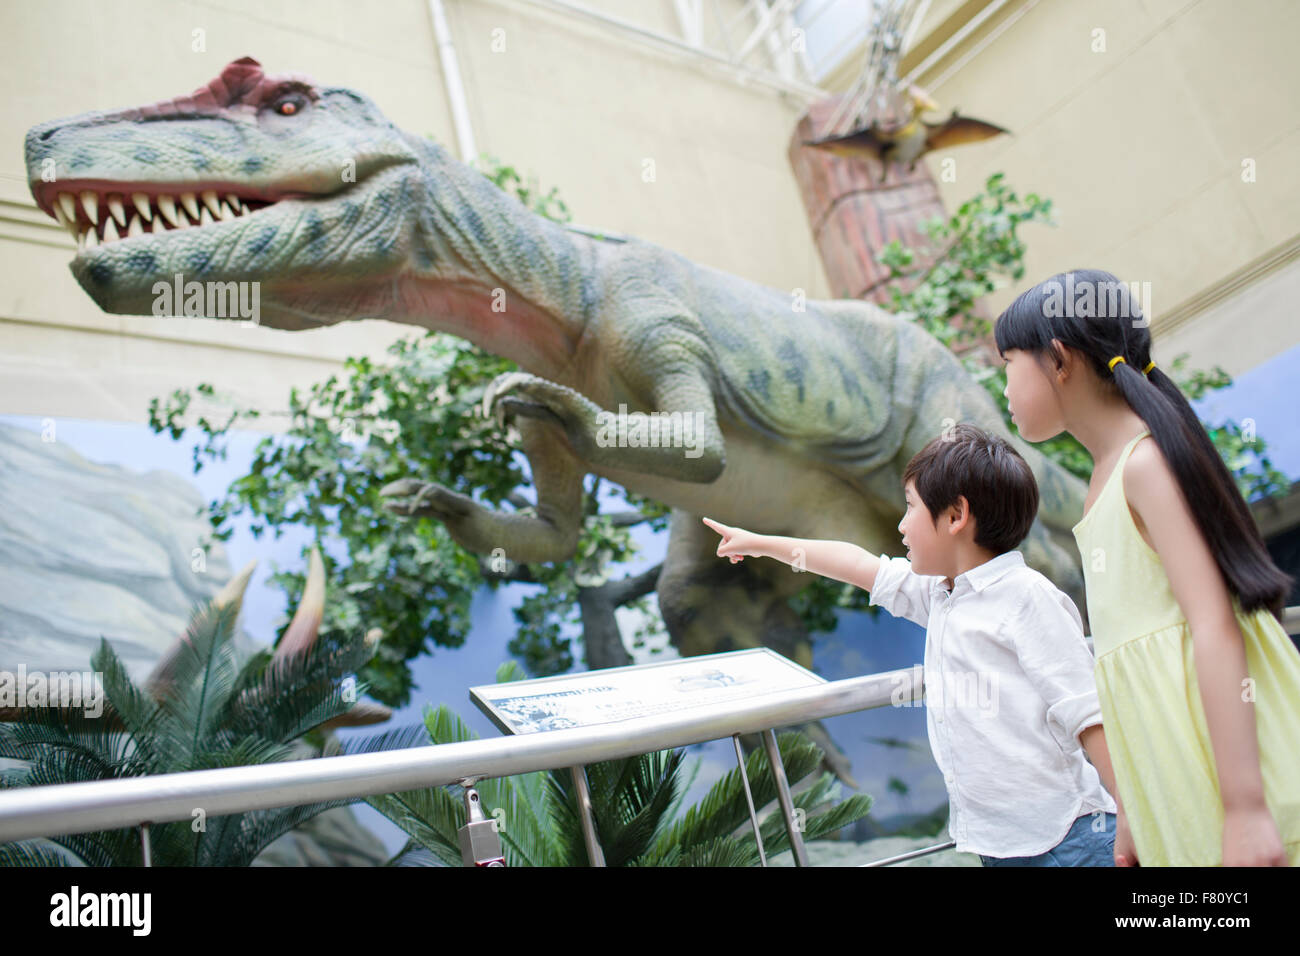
(1092, 312)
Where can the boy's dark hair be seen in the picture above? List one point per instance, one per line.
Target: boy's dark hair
(966, 461)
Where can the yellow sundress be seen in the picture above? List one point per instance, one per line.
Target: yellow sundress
(1151, 704)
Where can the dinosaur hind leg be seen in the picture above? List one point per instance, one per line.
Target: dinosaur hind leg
(710, 606)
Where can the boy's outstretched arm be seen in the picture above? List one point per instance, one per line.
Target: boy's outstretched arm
(832, 559)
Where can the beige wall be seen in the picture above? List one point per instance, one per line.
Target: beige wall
(578, 105)
(1141, 147)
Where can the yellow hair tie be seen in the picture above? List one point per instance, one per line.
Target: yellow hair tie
(1117, 358)
(1147, 370)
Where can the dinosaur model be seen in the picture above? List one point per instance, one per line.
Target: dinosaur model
(801, 415)
(905, 142)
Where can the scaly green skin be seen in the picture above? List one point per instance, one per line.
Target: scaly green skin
(807, 415)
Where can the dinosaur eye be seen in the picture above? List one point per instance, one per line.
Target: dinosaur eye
(290, 105)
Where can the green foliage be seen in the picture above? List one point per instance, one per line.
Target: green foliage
(634, 807)
(349, 438)
(973, 249)
(414, 416)
(529, 193)
(212, 713)
(724, 811)
(973, 253)
(1244, 452)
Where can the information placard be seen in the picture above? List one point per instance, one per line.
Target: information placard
(621, 693)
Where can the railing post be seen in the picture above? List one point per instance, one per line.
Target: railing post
(145, 854)
(595, 855)
(749, 797)
(787, 802)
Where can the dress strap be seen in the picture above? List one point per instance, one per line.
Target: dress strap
(1128, 449)
(1117, 473)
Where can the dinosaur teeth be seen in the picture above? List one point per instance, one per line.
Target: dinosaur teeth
(62, 217)
(167, 206)
(116, 210)
(90, 203)
(127, 220)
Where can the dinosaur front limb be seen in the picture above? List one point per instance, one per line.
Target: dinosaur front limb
(682, 440)
(551, 534)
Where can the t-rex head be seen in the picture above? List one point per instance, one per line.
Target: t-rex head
(308, 191)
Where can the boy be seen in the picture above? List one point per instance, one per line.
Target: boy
(1020, 791)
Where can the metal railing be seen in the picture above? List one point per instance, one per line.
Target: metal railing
(27, 813)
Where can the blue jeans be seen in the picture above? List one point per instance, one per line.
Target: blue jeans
(1082, 846)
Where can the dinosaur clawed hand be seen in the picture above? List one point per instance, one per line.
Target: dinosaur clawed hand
(531, 397)
(413, 498)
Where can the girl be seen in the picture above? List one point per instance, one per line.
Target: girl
(1198, 682)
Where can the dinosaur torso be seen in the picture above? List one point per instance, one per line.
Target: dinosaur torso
(809, 411)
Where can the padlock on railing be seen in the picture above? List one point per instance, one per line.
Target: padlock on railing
(479, 843)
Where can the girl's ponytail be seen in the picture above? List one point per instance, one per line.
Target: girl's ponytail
(1111, 325)
(1221, 513)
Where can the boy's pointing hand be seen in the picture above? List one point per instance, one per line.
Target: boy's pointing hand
(736, 542)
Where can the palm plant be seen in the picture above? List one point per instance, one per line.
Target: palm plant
(198, 709)
(634, 806)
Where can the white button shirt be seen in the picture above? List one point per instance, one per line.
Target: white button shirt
(1009, 685)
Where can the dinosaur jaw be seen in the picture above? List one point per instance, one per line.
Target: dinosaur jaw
(134, 238)
(97, 212)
